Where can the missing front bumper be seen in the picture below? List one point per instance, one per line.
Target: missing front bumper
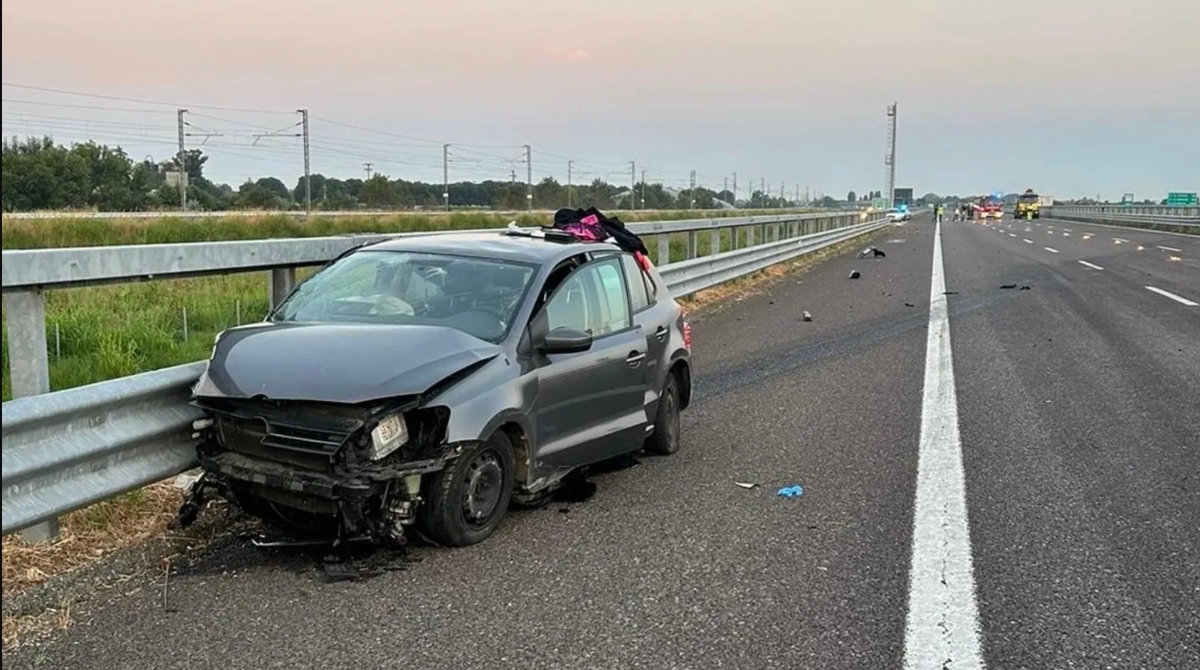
(375, 503)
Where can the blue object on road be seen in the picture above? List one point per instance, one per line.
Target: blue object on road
(794, 491)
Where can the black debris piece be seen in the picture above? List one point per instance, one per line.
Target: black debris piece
(909, 304)
(872, 252)
(854, 274)
(1008, 286)
(1026, 288)
(949, 292)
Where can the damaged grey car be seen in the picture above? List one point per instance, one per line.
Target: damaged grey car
(434, 380)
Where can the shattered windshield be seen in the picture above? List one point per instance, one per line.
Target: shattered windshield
(474, 295)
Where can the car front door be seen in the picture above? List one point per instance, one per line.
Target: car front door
(590, 404)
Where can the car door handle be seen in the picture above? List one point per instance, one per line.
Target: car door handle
(635, 358)
(661, 333)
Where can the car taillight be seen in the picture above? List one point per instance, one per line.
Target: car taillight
(687, 332)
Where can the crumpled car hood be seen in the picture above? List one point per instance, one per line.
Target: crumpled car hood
(338, 363)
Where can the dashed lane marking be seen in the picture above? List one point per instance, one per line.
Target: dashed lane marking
(1172, 296)
(1053, 251)
(1091, 265)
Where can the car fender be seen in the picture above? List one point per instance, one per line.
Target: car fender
(679, 354)
(495, 394)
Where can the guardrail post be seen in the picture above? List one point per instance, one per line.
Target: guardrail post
(692, 245)
(749, 236)
(664, 249)
(29, 368)
(714, 241)
(283, 280)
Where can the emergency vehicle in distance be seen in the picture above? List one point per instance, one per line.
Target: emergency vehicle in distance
(989, 207)
(1029, 205)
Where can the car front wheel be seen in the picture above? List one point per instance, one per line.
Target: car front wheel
(467, 501)
(665, 438)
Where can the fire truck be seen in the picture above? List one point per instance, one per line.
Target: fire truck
(1029, 205)
(989, 207)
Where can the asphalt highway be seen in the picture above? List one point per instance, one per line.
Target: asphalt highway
(992, 477)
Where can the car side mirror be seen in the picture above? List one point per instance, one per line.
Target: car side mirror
(563, 340)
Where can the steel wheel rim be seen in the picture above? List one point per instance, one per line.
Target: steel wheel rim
(484, 482)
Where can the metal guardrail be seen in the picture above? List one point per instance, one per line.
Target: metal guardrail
(1134, 215)
(233, 213)
(68, 449)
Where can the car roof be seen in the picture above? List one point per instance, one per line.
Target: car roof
(497, 245)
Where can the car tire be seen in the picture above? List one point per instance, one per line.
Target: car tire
(664, 441)
(468, 500)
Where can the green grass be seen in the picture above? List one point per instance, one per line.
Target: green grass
(84, 232)
(95, 334)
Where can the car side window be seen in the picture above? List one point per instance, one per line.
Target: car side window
(639, 294)
(592, 299)
(614, 312)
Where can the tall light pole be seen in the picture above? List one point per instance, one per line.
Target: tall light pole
(529, 176)
(889, 159)
(446, 176)
(307, 169)
(632, 185)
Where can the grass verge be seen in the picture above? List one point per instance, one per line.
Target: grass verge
(90, 534)
(86, 232)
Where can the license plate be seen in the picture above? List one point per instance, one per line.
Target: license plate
(388, 429)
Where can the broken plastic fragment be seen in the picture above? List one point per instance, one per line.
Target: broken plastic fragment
(807, 316)
(854, 274)
(872, 252)
(745, 485)
(794, 491)
(1006, 286)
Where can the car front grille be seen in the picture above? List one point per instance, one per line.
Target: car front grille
(309, 445)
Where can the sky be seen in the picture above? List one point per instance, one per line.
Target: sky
(1069, 97)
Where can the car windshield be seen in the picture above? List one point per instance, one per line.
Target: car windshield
(477, 296)
(1029, 197)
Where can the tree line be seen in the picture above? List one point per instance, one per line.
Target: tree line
(41, 175)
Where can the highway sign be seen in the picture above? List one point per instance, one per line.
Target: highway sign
(1181, 199)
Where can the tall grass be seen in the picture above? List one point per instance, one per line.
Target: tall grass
(95, 334)
(85, 232)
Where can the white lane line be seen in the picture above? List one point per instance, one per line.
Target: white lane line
(1053, 251)
(1178, 251)
(942, 626)
(1172, 296)
(1012, 234)
(1091, 265)
(1027, 240)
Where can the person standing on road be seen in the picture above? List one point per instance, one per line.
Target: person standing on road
(940, 209)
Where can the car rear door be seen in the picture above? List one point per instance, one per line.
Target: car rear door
(590, 404)
(655, 319)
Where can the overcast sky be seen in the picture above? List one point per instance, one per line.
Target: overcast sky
(1070, 97)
